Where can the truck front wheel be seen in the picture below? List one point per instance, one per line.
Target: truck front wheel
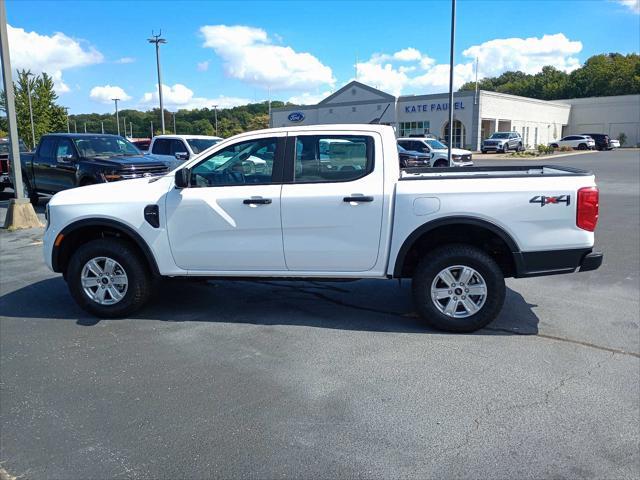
(458, 288)
(107, 279)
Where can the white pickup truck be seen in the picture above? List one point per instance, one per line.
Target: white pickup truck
(329, 203)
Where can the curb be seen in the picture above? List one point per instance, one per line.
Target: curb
(541, 157)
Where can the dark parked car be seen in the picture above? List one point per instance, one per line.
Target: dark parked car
(5, 179)
(603, 142)
(411, 158)
(65, 160)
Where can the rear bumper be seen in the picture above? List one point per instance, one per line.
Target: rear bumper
(554, 262)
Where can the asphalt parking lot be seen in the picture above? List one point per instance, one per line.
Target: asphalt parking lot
(319, 380)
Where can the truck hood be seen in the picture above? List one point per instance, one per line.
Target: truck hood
(454, 151)
(123, 191)
(128, 161)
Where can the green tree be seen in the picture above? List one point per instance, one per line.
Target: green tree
(202, 127)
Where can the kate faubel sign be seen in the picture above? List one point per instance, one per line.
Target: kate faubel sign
(432, 107)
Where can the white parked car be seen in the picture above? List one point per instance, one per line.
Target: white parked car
(342, 211)
(579, 142)
(175, 149)
(459, 157)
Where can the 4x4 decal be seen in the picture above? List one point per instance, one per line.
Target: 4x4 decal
(544, 200)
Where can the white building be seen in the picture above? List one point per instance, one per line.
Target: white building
(475, 117)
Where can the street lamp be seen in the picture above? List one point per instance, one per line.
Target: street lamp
(215, 116)
(174, 122)
(157, 39)
(453, 39)
(117, 117)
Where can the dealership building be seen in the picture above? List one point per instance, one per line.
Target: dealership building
(476, 116)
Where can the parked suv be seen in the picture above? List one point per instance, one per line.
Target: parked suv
(459, 157)
(503, 142)
(603, 142)
(580, 142)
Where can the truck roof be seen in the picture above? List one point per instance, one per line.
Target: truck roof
(80, 135)
(332, 126)
(187, 137)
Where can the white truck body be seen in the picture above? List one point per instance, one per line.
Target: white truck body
(321, 229)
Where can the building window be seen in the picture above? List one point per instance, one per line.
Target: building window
(458, 134)
(353, 109)
(413, 128)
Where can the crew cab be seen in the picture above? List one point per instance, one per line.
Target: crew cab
(439, 152)
(68, 160)
(331, 203)
(174, 149)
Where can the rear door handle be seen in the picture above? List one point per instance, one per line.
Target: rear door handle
(357, 198)
(256, 201)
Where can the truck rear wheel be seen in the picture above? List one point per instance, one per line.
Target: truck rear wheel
(107, 279)
(458, 288)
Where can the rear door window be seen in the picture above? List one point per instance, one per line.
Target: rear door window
(46, 150)
(178, 146)
(162, 146)
(332, 158)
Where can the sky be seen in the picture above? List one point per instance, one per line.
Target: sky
(233, 53)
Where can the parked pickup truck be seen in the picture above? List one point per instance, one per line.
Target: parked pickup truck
(175, 149)
(330, 203)
(64, 160)
(5, 177)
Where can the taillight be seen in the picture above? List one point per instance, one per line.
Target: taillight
(588, 203)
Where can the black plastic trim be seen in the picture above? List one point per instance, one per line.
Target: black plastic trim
(519, 168)
(152, 215)
(476, 222)
(553, 262)
(105, 222)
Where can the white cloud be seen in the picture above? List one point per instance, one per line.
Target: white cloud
(249, 55)
(528, 55)
(633, 5)
(180, 96)
(51, 54)
(203, 66)
(106, 94)
(411, 71)
(126, 60)
(308, 98)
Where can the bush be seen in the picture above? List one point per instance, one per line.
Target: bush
(566, 149)
(542, 149)
(622, 138)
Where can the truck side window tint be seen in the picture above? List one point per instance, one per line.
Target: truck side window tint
(46, 148)
(336, 158)
(245, 163)
(178, 146)
(64, 148)
(162, 147)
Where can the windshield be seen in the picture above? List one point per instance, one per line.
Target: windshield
(201, 144)
(4, 147)
(105, 147)
(500, 135)
(436, 145)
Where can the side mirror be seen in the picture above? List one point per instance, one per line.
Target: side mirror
(182, 156)
(66, 158)
(182, 178)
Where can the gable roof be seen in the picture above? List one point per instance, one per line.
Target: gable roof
(356, 84)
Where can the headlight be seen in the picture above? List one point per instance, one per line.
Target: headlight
(456, 157)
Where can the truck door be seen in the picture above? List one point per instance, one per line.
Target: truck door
(332, 202)
(44, 165)
(66, 165)
(228, 220)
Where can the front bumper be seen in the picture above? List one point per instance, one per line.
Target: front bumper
(554, 262)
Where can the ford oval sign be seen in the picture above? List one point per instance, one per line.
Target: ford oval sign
(296, 117)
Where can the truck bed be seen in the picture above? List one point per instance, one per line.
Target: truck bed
(424, 173)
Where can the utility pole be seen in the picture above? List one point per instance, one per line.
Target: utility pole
(117, 117)
(151, 128)
(215, 116)
(102, 126)
(453, 40)
(66, 110)
(158, 40)
(174, 122)
(130, 129)
(75, 127)
(33, 131)
(475, 98)
(269, 90)
(85, 127)
(20, 213)
(124, 125)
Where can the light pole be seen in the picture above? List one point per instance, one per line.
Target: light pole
(215, 116)
(453, 39)
(33, 131)
(130, 129)
(75, 127)
(157, 39)
(102, 126)
(124, 125)
(85, 127)
(66, 111)
(174, 122)
(117, 117)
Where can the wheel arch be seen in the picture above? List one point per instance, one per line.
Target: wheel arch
(83, 231)
(458, 229)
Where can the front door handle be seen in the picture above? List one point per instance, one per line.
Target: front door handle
(256, 201)
(357, 198)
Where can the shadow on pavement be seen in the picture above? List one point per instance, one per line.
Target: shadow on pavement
(365, 305)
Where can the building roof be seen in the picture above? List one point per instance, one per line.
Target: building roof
(355, 83)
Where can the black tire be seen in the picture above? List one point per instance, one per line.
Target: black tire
(484, 151)
(28, 191)
(453, 255)
(519, 149)
(582, 146)
(440, 164)
(505, 148)
(554, 145)
(138, 276)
